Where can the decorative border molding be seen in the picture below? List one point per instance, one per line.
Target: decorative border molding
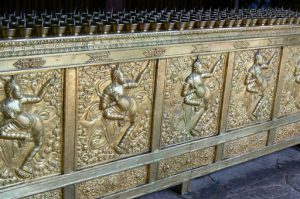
(12, 48)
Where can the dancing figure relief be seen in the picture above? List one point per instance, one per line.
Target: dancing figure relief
(256, 82)
(195, 91)
(18, 124)
(297, 78)
(118, 106)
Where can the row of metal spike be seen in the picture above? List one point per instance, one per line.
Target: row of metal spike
(25, 25)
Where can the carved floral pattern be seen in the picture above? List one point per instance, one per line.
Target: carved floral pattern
(290, 93)
(98, 135)
(243, 104)
(185, 162)
(30, 63)
(98, 57)
(112, 183)
(155, 52)
(241, 44)
(180, 118)
(47, 161)
(245, 145)
(55, 194)
(287, 132)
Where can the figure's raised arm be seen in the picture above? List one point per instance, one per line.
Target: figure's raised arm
(136, 83)
(41, 94)
(267, 65)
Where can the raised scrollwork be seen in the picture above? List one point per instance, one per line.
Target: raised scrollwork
(114, 111)
(245, 145)
(98, 57)
(192, 99)
(54, 194)
(155, 52)
(100, 187)
(200, 48)
(287, 132)
(30, 63)
(184, 162)
(253, 86)
(294, 40)
(241, 44)
(30, 126)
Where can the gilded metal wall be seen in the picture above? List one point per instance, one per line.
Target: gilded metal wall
(124, 115)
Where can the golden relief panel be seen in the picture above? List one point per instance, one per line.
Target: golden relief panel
(185, 162)
(192, 97)
(55, 194)
(114, 111)
(245, 145)
(113, 183)
(253, 86)
(290, 74)
(31, 126)
(287, 132)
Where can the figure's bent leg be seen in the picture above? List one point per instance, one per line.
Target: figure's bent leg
(190, 101)
(36, 133)
(205, 106)
(10, 131)
(110, 113)
(24, 171)
(252, 88)
(120, 148)
(254, 115)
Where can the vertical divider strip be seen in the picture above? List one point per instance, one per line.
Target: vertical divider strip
(70, 95)
(279, 84)
(225, 102)
(157, 113)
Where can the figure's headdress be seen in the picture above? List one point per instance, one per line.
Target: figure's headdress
(115, 72)
(258, 56)
(197, 64)
(10, 84)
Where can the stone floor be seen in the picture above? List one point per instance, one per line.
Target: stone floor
(275, 176)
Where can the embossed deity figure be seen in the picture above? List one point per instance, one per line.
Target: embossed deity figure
(297, 78)
(119, 106)
(20, 125)
(195, 92)
(257, 82)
